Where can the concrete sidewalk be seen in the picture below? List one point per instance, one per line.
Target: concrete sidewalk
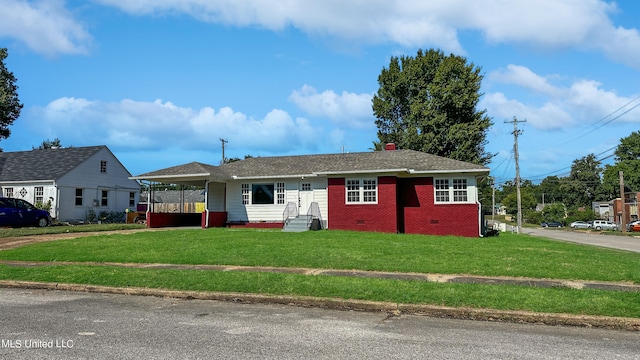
(439, 278)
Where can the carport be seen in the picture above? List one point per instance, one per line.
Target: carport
(212, 178)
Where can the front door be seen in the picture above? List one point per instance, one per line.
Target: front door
(305, 197)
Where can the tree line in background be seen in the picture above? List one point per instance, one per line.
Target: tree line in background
(570, 198)
(429, 103)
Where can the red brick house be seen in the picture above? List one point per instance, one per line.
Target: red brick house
(390, 191)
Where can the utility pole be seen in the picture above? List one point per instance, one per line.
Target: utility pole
(493, 201)
(623, 215)
(224, 142)
(516, 133)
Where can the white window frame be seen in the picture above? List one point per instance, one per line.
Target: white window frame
(246, 194)
(279, 193)
(361, 191)
(8, 192)
(453, 190)
(104, 198)
(79, 198)
(38, 195)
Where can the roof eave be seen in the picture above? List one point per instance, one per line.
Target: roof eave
(235, 177)
(459, 171)
(152, 177)
(370, 171)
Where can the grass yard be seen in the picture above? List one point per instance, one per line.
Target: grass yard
(506, 255)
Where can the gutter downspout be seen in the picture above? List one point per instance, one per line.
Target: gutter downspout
(148, 214)
(206, 204)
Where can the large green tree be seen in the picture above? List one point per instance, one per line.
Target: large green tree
(10, 105)
(628, 161)
(583, 184)
(429, 103)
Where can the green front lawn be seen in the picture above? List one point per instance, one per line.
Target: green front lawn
(506, 255)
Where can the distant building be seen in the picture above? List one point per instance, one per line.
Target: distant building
(75, 180)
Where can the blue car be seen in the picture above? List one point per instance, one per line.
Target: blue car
(551, 224)
(17, 213)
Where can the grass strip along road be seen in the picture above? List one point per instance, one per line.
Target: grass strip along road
(509, 255)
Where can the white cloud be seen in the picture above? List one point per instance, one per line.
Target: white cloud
(549, 116)
(582, 102)
(524, 77)
(137, 125)
(551, 24)
(45, 27)
(347, 109)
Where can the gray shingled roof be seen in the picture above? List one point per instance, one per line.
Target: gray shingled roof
(309, 165)
(366, 162)
(192, 168)
(43, 164)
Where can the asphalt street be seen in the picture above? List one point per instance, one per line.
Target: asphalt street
(40, 324)
(629, 243)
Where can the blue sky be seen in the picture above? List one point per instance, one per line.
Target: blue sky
(160, 82)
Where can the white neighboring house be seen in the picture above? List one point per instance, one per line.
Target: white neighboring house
(76, 180)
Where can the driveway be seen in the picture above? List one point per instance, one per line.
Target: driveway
(629, 243)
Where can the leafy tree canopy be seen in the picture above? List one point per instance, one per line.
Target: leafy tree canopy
(10, 105)
(428, 103)
(48, 144)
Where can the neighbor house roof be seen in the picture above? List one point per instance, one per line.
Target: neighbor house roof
(395, 161)
(43, 164)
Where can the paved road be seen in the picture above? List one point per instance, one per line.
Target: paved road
(628, 243)
(107, 326)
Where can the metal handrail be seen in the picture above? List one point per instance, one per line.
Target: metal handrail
(289, 210)
(313, 213)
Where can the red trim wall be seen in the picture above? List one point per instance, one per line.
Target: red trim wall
(379, 217)
(404, 205)
(423, 216)
(216, 219)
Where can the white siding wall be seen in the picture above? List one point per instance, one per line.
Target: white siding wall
(215, 197)
(255, 213)
(87, 176)
(29, 191)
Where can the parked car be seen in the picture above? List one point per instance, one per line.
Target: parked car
(551, 224)
(604, 225)
(580, 225)
(633, 226)
(17, 212)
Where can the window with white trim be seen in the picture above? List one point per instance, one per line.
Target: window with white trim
(104, 198)
(453, 190)
(8, 192)
(459, 190)
(361, 191)
(280, 192)
(39, 195)
(263, 193)
(442, 190)
(245, 194)
(79, 192)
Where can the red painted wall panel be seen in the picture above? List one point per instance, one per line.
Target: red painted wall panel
(380, 217)
(422, 216)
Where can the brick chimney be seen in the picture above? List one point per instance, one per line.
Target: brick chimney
(390, 147)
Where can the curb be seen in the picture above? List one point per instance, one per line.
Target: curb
(393, 309)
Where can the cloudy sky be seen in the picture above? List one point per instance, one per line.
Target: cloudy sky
(161, 82)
